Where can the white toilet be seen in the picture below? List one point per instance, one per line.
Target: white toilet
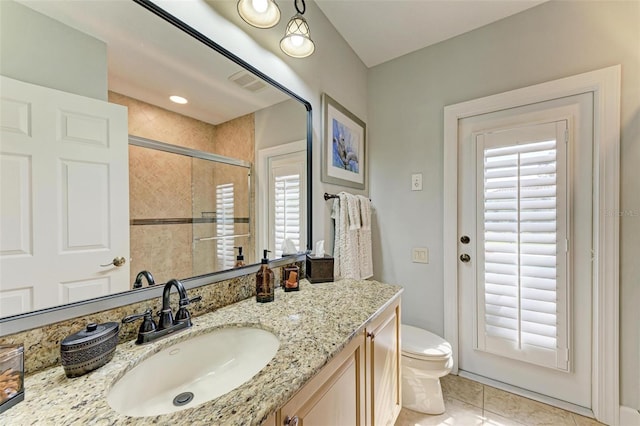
(425, 358)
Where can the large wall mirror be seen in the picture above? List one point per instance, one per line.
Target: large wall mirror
(113, 62)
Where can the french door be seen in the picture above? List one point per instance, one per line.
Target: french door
(525, 247)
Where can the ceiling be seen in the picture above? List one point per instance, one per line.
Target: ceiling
(381, 30)
(150, 60)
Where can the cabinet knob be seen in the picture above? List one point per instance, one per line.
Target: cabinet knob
(291, 421)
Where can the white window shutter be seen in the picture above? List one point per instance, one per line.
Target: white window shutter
(225, 225)
(287, 210)
(522, 272)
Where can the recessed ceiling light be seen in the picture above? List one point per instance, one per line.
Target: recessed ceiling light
(178, 99)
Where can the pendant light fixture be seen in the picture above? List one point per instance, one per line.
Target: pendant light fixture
(259, 13)
(297, 41)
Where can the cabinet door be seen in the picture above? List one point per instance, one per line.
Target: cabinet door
(333, 397)
(383, 358)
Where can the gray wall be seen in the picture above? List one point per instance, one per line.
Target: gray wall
(406, 100)
(280, 123)
(39, 50)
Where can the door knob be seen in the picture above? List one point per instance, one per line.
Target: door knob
(117, 262)
(465, 257)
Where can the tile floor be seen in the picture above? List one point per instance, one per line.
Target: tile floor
(470, 403)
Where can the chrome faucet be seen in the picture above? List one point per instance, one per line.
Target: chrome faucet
(167, 324)
(144, 274)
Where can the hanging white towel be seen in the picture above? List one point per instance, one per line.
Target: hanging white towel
(345, 247)
(353, 209)
(365, 253)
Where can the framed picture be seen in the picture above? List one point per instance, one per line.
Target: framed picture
(343, 146)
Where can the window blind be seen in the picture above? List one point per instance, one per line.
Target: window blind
(225, 225)
(287, 210)
(522, 233)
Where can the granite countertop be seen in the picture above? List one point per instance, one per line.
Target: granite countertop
(313, 325)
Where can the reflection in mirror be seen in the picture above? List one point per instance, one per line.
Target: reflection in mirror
(190, 226)
(118, 56)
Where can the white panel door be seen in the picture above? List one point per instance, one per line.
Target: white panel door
(280, 165)
(287, 201)
(525, 204)
(65, 197)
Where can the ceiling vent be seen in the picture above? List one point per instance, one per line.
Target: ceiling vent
(248, 81)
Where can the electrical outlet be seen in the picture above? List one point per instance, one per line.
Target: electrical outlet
(420, 255)
(416, 182)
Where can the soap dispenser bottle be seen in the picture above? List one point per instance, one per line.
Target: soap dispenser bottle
(265, 281)
(239, 258)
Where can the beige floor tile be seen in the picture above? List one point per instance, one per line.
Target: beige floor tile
(457, 413)
(462, 389)
(584, 421)
(493, 419)
(524, 410)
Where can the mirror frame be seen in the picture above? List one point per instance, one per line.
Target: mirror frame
(30, 320)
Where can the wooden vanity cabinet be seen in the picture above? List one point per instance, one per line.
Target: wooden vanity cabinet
(360, 386)
(335, 396)
(383, 375)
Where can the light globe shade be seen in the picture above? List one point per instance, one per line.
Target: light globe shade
(297, 41)
(259, 13)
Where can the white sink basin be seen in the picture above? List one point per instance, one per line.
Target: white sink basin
(189, 373)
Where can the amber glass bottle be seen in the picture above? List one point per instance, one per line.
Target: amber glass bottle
(265, 281)
(239, 258)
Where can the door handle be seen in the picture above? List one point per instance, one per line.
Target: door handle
(464, 257)
(117, 262)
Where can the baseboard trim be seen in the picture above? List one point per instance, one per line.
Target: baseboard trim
(629, 416)
(583, 411)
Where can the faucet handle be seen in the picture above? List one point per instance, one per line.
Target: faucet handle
(183, 314)
(147, 323)
(186, 301)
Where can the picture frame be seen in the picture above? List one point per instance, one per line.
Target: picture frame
(343, 146)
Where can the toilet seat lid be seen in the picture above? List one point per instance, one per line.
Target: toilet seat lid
(422, 344)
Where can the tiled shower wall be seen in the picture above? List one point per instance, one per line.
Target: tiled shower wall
(161, 187)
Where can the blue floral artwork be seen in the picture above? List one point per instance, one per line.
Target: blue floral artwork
(346, 145)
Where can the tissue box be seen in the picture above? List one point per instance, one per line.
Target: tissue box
(11, 376)
(319, 269)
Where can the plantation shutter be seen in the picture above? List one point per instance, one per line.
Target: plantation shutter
(522, 244)
(287, 210)
(225, 225)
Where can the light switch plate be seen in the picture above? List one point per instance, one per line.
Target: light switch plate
(420, 255)
(416, 182)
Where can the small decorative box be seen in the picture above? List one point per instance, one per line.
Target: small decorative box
(89, 349)
(11, 376)
(319, 269)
